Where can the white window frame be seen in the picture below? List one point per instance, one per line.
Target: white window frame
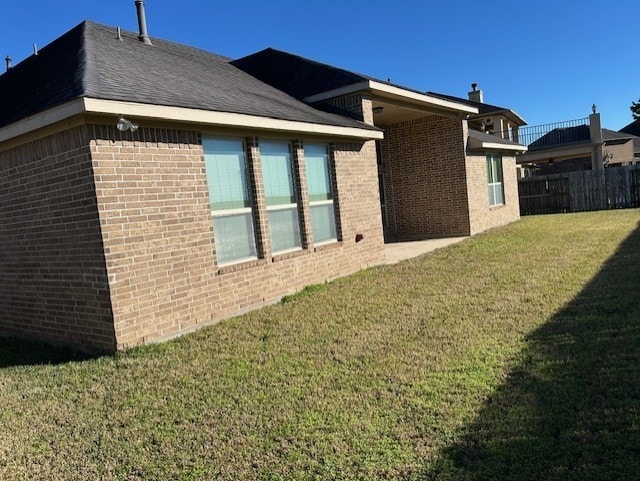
(289, 206)
(238, 211)
(325, 201)
(494, 186)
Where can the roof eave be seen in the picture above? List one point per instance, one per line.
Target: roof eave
(477, 144)
(87, 105)
(394, 92)
(42, 119)
(517, 117)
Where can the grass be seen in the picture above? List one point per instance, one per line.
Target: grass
(512, 356)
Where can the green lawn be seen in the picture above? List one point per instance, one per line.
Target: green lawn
(514, 355)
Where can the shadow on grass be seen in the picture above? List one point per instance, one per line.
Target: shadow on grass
(571, 409)
(16, 352)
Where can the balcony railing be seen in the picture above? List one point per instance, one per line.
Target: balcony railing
(547, 136)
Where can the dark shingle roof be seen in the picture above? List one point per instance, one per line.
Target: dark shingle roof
(483, 109)
(562, 136)
(613, 135)
(298, 76)
(301, 77)
(89, 61)
(633, 128)
(43, 81)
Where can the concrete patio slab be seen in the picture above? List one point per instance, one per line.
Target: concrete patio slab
(398, 251)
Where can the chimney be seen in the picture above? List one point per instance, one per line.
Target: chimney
(476, 95)
(142, 23)
(8, 60)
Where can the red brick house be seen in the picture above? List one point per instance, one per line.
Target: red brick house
(433, 163)
(138, 203)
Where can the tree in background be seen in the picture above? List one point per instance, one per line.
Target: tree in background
(635, 109)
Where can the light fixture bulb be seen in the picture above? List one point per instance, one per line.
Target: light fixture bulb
(123, 125)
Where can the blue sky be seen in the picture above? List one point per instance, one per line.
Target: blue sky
(547, 60)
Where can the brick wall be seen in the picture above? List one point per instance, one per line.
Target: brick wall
(425, 178)
(159, 247)
(482, 216)
(53, 281)
(358, 104)
(432, 187)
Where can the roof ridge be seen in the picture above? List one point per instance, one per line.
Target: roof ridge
(134, 35)
(316, 62)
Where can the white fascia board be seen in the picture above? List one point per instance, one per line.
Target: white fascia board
(42, 119)
(498, 146)
(518, 118)
(178, 114)
(486, 145)
(223, 119)
(391, 91)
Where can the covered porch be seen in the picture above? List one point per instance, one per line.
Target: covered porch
(421, 164)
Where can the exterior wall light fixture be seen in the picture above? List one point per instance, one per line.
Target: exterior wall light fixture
(125, 124)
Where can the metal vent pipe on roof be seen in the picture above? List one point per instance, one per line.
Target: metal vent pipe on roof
(8, 60)
(142, 22)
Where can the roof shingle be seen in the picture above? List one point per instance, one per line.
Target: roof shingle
(90, 61)
(633, 128)
(298, 76)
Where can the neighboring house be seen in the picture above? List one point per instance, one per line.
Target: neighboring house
(437, 177)
(584, 146)
(148, 188)
(634, 129)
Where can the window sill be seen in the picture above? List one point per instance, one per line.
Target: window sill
(240, 266)
(289, 255)
(497, 207)
(327, 246)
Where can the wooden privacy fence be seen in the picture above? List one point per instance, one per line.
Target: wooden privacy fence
(611, 188)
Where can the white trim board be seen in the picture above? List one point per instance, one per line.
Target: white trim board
(88, 105)
(393, 92)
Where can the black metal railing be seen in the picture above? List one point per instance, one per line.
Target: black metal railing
(538, 137)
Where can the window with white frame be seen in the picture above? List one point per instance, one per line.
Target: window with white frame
(494, 179)
(319, 184)
(280, 196)
(229, 193)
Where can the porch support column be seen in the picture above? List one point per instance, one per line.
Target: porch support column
(595, 131)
